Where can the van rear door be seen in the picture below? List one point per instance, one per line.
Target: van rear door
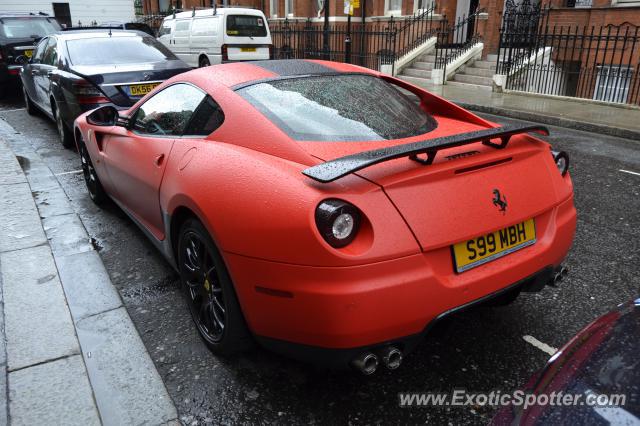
(246, 37)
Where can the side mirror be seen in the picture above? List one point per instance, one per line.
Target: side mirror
(106, 116)
(21, 60)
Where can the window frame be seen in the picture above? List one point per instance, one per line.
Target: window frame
(606, 90)
(273, 8)
(132, 117)
(52, 43)
(43, 42)
(392, 12)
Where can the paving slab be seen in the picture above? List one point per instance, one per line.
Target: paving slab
(87, 285)
(37, 321)
(10, 171)
(125, 382)
(19, 222)
(66, 234)
(54, 393)
(52, 202)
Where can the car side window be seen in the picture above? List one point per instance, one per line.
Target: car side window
(51, 52)
(167, 112)
(40, 49)
(207, 118)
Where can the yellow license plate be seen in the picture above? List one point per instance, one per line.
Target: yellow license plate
(475, 252)
(247, 49)
(141, 89)
(28, 53)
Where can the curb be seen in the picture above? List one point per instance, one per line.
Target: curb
(88, 365)
(553, 120)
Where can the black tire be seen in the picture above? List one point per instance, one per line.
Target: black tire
(63, 131)
(28, 104)
(94, 187)
(4, 89)
(209, 292)
(204, 62)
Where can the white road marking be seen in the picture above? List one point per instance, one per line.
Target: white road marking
(538, 344)
(630, 172)
(73, 172)
(12, 110)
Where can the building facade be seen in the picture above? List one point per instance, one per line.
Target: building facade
(74, 12)
(564, 12)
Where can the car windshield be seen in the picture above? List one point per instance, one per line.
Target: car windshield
(339, 108)
(27, 27)
(118, 50)
(246, 26)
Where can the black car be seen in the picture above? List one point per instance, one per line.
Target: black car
(75, 71)
(599, 369)
(18, 35)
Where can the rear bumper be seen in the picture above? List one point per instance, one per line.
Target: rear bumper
(343, 310)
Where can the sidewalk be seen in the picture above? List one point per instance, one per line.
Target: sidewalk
(69, 353)
(620, 121)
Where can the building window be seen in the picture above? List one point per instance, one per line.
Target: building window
(612, 83)
(288, 7)
(579, 3)
(393, 7)
(422, 5)
(273, 8)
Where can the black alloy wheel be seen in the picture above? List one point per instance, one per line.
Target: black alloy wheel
(209, 292)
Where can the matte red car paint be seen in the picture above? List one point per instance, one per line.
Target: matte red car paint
(244, 182)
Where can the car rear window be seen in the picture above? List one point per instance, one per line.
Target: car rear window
(27, 27)
(339, 108)
(246, 26)
(118, 50)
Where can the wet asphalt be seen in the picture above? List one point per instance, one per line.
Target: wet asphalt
(479, 350)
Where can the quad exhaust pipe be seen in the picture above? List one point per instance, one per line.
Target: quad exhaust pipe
(368, 362)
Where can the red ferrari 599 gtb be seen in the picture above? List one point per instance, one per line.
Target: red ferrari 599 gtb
(317, 208)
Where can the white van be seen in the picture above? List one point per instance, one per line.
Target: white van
(213, 36)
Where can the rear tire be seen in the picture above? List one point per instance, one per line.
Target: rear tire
(63, 131)
(209, 292)
(204, 62)
(94, 187)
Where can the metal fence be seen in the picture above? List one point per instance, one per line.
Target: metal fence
(598, 63)
(455, 40)
(369, 45)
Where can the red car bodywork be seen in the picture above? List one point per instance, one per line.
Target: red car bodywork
(244, 183)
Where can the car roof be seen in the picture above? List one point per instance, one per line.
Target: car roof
(219, 11)
(24, 15)
(238, 74)
(98, 33)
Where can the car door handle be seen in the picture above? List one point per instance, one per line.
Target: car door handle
(159, 160)
(49, 74)
(34, 72)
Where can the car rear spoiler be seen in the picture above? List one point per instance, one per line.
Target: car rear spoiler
(340, 167)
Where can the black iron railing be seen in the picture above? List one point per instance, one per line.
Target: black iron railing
(455, 40)
(371, 45)
(598, 63)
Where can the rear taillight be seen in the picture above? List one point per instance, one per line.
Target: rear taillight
(87, 93)
(225, 52)
(337, 221)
